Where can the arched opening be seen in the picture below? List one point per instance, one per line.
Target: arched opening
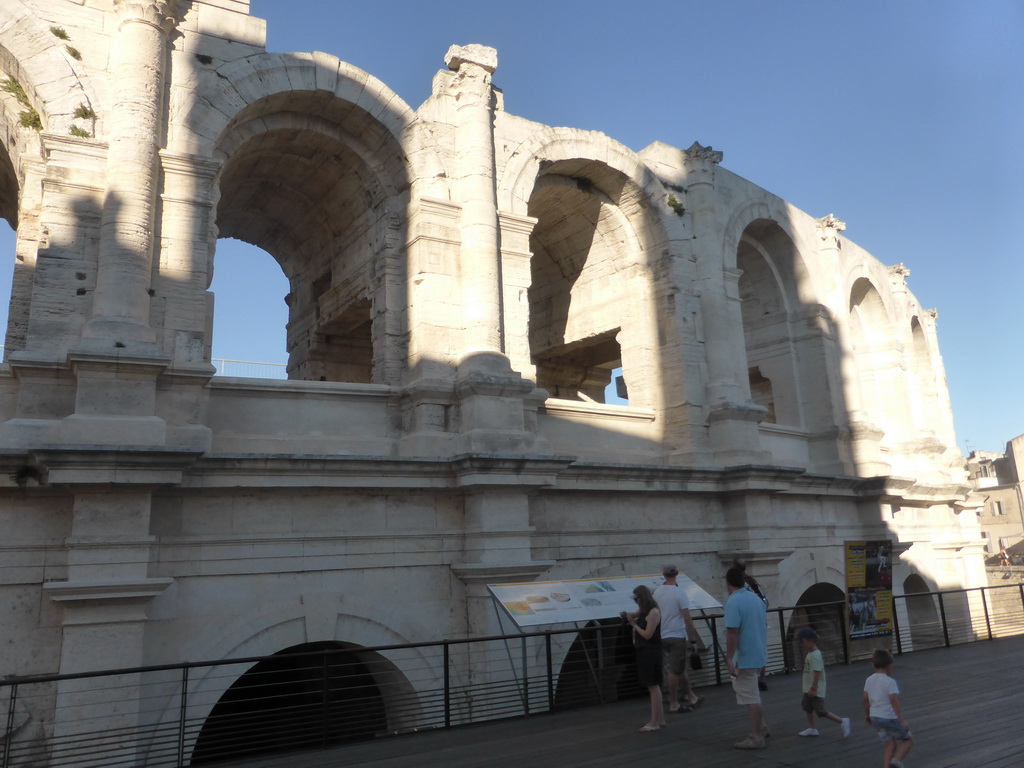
(922, 613)
(822, 608)
(309, 695)
(768, 291)
(879, 362)
(926, 401)
(310, 179)
(582, 247)
(251, 312)
(600, 666)
(9, 215)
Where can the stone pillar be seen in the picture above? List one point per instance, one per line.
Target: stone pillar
(186, 258)
(474, 187)
(108, 586)
(497, 531)
(121, 304)
(516, 278)
(732, 417)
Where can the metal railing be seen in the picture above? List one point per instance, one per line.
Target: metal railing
(201, 712)
(249, 370)
(244, 369)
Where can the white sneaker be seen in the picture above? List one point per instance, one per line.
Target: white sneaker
(846, 726)
(808, 732)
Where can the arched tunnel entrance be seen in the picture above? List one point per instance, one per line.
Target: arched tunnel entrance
(309, 695)
(821, 607)
(600, 666)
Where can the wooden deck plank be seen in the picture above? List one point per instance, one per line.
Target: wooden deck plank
(960, 703)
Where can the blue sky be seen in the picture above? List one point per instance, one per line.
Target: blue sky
(904, 119)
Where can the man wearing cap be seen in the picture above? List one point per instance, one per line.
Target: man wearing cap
(678, 638)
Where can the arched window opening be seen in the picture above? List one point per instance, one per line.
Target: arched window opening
(250, 312)
(311, 695)
(580, 261)
(314, 182)
(770, 294)
(761, 393)
(7, 241)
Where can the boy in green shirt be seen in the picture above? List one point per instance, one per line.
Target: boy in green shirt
(813, 702)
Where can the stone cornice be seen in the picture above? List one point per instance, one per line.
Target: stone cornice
(131, 468)
(500, 573)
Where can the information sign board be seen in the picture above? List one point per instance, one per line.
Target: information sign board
(535, 603)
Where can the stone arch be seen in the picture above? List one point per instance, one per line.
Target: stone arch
(242, 83)
(878, 358)
(788, 336)
(589, 201)
(322, 186)
(307, 696)
(53, 81)
(769, 287)
(816, 608)
(277, 625)
(923, 623)
(923, 381)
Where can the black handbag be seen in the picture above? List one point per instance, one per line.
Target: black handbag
(695, 661)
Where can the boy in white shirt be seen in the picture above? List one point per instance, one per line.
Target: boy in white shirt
(882, 709)
(813, 702)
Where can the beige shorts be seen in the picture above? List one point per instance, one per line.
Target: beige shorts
(745, 686)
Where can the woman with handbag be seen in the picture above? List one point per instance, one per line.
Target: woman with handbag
(646, 622)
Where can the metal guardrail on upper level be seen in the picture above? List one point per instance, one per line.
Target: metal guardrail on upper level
(197, 713)
(249, 370)
(245, 369)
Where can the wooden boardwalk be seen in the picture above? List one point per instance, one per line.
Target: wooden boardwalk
(963, 705)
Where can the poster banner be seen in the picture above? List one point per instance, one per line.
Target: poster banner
(535, 603)
(869, 588)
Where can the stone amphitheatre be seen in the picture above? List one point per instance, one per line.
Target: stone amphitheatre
(463, 284)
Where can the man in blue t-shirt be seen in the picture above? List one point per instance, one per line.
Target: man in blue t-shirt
(746, 638)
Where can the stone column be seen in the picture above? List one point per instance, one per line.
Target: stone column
(186, 258)
(123, 281)
(516, 279)
(732, 417)
(474, 186)
(108, 586)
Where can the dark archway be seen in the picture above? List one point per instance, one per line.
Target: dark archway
(600, 666)
(310, 695)
(822, 608)
(922, 613)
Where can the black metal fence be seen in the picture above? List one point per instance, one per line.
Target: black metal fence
(327, 694)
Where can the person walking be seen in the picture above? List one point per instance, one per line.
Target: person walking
(882, 710)
(813, 701)
(746, 652)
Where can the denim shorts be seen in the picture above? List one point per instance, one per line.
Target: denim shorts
(890, 729)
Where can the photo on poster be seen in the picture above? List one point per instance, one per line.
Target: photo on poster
(869, 588)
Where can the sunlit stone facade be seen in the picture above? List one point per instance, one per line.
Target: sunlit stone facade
(463, 282)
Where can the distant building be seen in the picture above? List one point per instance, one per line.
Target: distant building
(996, 479)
